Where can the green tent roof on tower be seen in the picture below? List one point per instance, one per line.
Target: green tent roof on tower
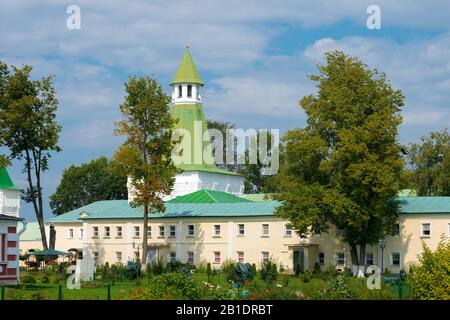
(5, 180)
(187, 73)
(208, 196)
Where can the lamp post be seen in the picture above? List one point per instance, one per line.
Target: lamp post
(383, 243)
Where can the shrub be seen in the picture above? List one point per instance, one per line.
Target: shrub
(208, 271)
(269, 271)
(430, 278)
(254, 269)
(13, 294)
(27, 278)
(38, 295)
(316, 268)
(158, 266)
(338, 288)
(132, 270)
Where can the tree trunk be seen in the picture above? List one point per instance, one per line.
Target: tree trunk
(362, 262)
(354, 255)
(144, 243)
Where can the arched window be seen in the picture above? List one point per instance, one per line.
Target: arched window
(179, 92)
(189, 91)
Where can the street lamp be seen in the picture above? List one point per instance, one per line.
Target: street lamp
(383, 243)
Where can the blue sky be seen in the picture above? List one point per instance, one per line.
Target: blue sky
(253, 55)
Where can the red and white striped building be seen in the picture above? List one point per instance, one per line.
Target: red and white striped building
(9, 236)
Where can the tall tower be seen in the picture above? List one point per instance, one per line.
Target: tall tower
(187, 108)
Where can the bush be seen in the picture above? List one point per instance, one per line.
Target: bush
(132, 270)
(38, 295)
(27, 278)
(430, 278)
(209, 271)
(269, 271)
(338, 288)
(316, 268)
(254, 269)
(13, 294)
(158, 266)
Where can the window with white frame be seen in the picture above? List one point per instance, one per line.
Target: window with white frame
(172, 231)
(340, 258)
(395, 259)
(425, 230)
(81, 233)
(190, 257)
(118, 231)
(162, 231)
(172, 256)
(216, 256)
(240, 256)
(369, 258)
(119, 256)
(264, 256)
(265, 230)
(137, 231)
(180, 91)
(217, 230)
(288, 230)
(190, 230)
(106, 232)
(70, 233)
(189, 91)
(321, 258)
(241, 230)
(149, 231)
(95, 232)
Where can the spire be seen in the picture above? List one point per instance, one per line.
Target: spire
(5, 180)
(187, 73)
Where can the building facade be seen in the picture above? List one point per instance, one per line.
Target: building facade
(209, 220)
(9, 235)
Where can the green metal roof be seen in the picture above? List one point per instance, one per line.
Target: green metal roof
(5, 180)
(120, 209)
(208, 196)
(425, 204)
(33, 233)
(187, 73)
(258, 196)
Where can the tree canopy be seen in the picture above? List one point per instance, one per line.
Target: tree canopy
(99, 179)
(343, 168)
(429, 163)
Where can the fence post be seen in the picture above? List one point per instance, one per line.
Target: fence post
(60, 297)
(109, 292)
(3, 293)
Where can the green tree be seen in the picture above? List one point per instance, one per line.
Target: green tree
(228, 145)
(28, 128)
(344, 168)
(430, 164)
(255, 179)
(430, 277)
(146, 153)
(99, 179)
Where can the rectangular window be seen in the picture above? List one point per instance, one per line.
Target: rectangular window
(321, 258)
(95, 232)
(217, 230)
(70, 233)
(265, 230)
(340, 258)
(149, 231)
(190, 230)
(118, 232)
(397, 229)
(119, 256)
(106, 232)
(172, 231)
(137, 231)
(172, 256)
(426, 230)
(190, 257)
(180, 91)
(369, 258)
(162, 231)
(288, 230)
(189, 91)
(241, 230)
(241, 256)
(264, 256)
(216, 256)
(395, 259)
(81, 233)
